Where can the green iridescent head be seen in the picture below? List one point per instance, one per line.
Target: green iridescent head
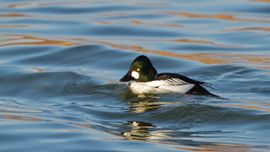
(141, 70)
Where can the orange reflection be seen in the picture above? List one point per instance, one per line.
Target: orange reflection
(249, 107)
(191, 41)
(266, 29)
(139, 22)
(201, 57)
(263, 29)
(14, 26)
(70, 2)
(204, 42)
(22, 118)
(16, 5)
(218, 147)
(104, 22)
(26, 118)
(12, 15)
(31, 4)
(152, 24)
(206, 58)
(32, 40)
(265, 1)
(216, 16)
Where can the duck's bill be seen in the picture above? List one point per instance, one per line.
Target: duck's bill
(126, 78)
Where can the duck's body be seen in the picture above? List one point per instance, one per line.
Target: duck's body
(145, 80)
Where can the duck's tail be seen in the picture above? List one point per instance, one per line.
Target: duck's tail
(199, 90)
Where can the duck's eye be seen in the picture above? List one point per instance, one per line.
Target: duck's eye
(135, 74)
(138, 69)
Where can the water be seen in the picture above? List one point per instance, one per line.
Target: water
(60, 63)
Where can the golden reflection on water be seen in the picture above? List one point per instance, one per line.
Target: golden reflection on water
(104, 22)
(265, 29)
(251, 107)
(226, 17)
(218, 148)
(16, 39)
(152, 24)
(189, 41)
(16, 113)
(264, 1)
(21, 118)
(16, 5)
(43, 4)
(257, 61)
(250, 29)
(26, 114)
(201, 57)
(12, 15)
(14, 26)
(194, 41)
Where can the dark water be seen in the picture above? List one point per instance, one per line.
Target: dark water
(60, 62)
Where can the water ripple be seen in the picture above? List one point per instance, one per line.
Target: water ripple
(60, 63)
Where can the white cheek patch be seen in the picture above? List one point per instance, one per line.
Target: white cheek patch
(135, 74)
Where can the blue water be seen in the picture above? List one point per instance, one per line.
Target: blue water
(61, 61)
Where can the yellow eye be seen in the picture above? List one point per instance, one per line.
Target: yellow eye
(138, 69)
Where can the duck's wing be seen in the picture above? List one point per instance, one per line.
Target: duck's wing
(177, 79)
(180, 80)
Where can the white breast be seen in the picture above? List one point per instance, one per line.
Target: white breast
(159, 87)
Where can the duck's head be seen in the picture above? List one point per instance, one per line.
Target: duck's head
(141, 70)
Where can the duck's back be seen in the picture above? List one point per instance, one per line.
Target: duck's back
(196, 88)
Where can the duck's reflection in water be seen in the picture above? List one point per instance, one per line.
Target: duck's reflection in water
(143, 105)
(138, 130)
(183, 140)
(182, 137)
(141, 130)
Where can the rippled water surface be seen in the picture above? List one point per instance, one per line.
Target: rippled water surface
(60, 62)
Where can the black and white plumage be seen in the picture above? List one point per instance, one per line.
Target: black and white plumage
(145, 80)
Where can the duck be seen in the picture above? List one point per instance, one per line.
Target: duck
(143, 79)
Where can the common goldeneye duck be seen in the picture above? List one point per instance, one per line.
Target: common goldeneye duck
(145, 80)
